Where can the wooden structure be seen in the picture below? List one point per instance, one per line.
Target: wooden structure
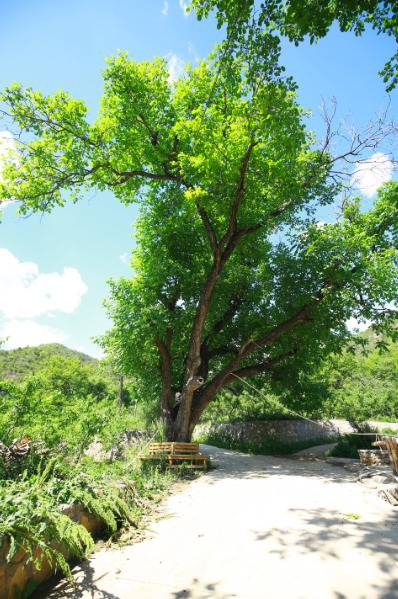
(391, 444)
(175, 454)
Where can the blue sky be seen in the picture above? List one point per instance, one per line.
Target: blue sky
(52, 45)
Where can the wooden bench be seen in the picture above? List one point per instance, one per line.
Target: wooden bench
(175, 454)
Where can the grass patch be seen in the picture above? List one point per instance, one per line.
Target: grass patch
(388, 431)
(352, 516)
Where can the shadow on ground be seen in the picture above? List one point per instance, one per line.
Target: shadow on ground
(200, 589)
(298, 535)
(85, 580)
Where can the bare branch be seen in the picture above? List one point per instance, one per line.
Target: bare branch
(348, 148)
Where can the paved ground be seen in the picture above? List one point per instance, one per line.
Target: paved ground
(315, 451)
(257, 527)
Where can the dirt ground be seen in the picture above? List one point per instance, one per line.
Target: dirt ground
(256, 527)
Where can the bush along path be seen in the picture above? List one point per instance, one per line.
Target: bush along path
(52, 514)
(255, 527)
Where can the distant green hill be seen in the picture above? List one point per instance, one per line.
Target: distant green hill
(17, 363)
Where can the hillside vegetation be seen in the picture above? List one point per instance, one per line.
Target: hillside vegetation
(17, 363)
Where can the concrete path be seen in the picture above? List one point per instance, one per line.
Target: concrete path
(257, 527)
(317, 451)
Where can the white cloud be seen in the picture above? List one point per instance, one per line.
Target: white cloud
(20, 333)
(165, 9)
(184, 7)
(176, 67)
(372, 173)
(27, 293)
(7, 203)
(357, 326)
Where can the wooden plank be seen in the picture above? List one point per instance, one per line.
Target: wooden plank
(177, 454)
(186, 445)
(201, 465)
(392, 446)
(169, 445)
(192, 456)
(177, 443)
(160, 445)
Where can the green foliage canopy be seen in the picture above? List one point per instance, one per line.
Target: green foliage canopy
(297, 19)
(232, 274)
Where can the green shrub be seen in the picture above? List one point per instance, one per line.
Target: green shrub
(64, 423)
(348, 445)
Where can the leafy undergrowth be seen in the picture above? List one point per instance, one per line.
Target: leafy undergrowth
(118, 493)
(264, 447)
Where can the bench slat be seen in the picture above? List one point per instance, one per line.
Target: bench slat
(175, 452)
(168, 445)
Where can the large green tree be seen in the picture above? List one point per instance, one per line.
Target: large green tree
(233, 276)
(298, 19)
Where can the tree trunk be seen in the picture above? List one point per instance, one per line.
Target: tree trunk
(180, 426)
(175, 432)
(120, 401)
(177, 428)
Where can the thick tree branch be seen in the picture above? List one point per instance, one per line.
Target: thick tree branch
(259, 368)
(152, 134)
(226, 318)
(250, 346)
(235, 239)
(207, 394)
(225, 249)
(211, 234)
(240, 191)
(125, 176)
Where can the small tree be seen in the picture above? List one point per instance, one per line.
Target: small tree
(233, 276)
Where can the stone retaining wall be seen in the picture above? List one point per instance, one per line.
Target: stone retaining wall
(19, 577)
(374, 457)
(288, 431)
